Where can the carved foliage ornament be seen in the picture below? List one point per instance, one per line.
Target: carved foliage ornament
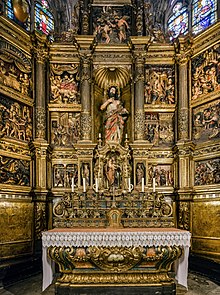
(86, 126)
(40, 219)
(40, 114)
(139, 124)
(184, 215)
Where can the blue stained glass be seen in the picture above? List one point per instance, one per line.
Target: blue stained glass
(9, 9)
(178, 22)
(204, 14)
(43, 18)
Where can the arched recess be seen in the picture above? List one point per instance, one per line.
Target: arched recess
(104, 78)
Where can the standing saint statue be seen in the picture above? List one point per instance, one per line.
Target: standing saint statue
(116, 115)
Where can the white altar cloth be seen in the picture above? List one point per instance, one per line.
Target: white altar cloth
(124, 237)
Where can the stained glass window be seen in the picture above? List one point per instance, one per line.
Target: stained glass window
(44, 21)
(19, 12)
(178, 22)
(204, 14)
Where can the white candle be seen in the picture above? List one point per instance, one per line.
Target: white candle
(142, 184)
(72, 185)
(84, 185)
(100, 136)
(129, 185)
(96, 185)
(154, 184)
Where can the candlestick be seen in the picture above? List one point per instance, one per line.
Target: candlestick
(142, 185)
(84, 185)
(129, 185)
(154, 184)
(72, 186)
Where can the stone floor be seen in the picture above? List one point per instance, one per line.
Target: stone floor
(198, 285)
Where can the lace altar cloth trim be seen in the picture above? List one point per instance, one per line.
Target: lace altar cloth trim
(111, 238)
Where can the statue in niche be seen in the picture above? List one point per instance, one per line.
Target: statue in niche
(85, 173)
(112, 171)
(162, 174)
(140, 173)
(116, 115)
(59, 176)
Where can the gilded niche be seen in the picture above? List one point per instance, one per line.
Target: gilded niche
(112, 24)
(205, 73)
(159, 128)
(159, 85)
(207, 172)
(14, 171)
(65, 128)
(63, 175)
(206, 121)
(15, 120)
(162, 173)
(64, 84)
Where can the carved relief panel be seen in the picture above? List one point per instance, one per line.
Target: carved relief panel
(112, 24)
(205, 73)
(15, 71)
(65, 128)
(206, 123)
(63, 175)
(163, 175)
(159, 128)
(15, 120)
(207, 172)
(14, 171)
(64, 84)
(159, 85)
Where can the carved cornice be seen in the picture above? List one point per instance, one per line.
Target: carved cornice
(206, 39)
(185, 148)
(15, 34)
(206, 150)
(14, 148)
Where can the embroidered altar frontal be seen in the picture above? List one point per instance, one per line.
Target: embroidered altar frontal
(115, 257)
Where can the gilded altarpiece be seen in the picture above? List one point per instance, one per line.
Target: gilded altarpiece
(16, 131)
(206, 134)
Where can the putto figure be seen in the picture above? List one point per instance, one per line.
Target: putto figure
(116, 115)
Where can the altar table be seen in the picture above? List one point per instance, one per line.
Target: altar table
(123, 237)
